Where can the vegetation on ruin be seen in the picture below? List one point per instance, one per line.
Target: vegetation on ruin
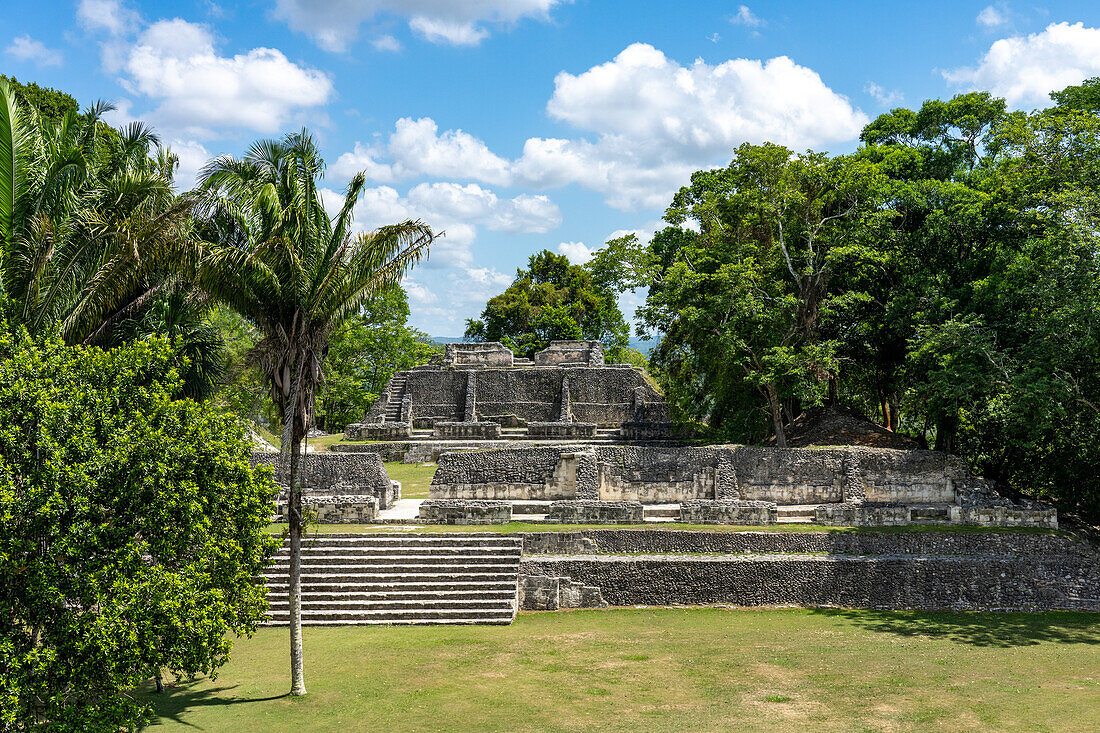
(670, 669)
(943, 278)
(552, 300)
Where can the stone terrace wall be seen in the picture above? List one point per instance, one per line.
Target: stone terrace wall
(669, 475)
(920, 582)
(657, 541)
(336, 474)
(490, 353)
(601, 395)
(571, 352)
(516, 473)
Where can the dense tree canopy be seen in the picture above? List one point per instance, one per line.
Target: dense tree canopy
(364, 353)
(945, 277)
(552, 300)
(51, 105)
(134, 531)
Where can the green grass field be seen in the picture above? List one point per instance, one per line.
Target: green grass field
(415, 478)
(662, 669)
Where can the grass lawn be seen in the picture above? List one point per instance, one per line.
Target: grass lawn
(660, 669)
(414, 477)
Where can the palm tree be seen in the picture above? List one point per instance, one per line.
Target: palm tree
(92, 234)
(295, 273)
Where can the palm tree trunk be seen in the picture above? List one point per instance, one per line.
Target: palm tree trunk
(294, 512)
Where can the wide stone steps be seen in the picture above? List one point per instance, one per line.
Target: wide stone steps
(399, 579)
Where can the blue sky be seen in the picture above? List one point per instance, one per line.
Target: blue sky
(517, 125)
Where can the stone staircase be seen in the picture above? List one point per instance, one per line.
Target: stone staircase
(397, 391)
(400, 579)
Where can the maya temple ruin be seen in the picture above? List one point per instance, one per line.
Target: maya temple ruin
(566, 439)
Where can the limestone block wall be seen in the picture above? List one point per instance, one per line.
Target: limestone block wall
(918, 581)
(490, 353)
(589, 353)
(671, 475)
(601, 395)
(661, 541)
(336, 474)
(465, 511)
(504, 474)
(340, 509)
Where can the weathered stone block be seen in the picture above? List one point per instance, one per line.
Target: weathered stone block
(465, 511)
(586, 511)
(862, 515)
(645, 430)
(334, 474)
(573, 353)
(378, 431)
(561, 429)
(702, 511)
(341, 509)
(491, 353)
(467, 430)
(999, 516)
(550, 593)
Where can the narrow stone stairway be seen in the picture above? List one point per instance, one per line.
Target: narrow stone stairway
(397, 392)
(400, 579)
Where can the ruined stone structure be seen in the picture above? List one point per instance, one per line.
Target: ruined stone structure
(478, 390)
(337, 488)
(739, 484)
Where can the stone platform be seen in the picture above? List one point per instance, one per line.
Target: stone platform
(734, 484)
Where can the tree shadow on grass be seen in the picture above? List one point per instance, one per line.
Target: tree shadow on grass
(984, 629)
(178, 699)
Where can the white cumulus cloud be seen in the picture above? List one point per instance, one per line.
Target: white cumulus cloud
(883, 96)
(25, 48)
(577, 252)
(176, 65)
(416, 148)
(110, 16)
(334, 24)
(1025, 69)
(650, 122)
(657, 120)
(386, 43)
(456, 209)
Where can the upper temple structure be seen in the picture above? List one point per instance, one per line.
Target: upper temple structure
(481, 391)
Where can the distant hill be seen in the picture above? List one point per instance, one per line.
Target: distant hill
(635, 343)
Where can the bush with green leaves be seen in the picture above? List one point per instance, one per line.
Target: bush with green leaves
(133, 531)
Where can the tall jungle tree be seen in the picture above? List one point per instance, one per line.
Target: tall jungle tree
(277, 258)
(552, 299)
(94, 242)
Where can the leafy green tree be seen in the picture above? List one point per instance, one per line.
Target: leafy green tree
(364, 353)
(134, 531)
(51, 105)
(1084, 96)
(295, 274)
(552, 300)
(746, 304)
